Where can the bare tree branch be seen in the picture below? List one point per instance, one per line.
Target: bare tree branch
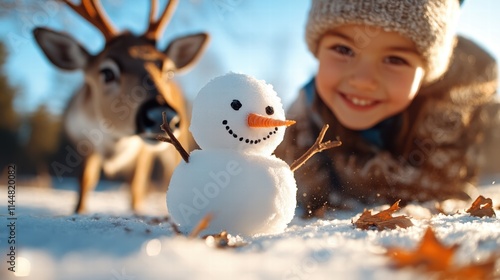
(172, 139)
(316, 148)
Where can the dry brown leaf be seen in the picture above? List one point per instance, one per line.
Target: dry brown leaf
(482, 207)
(480, 271)
(383, 219)
(432, 256)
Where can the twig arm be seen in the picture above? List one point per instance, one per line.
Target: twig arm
(172, 139)
(314, 149)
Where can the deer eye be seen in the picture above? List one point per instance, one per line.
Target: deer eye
(236, 105)
(109, 72)
(107, 75)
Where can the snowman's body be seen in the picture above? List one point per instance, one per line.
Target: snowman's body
(238, 122)
(223, 183)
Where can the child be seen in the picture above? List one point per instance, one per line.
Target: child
(406, 96)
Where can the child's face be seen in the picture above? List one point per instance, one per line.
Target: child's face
(367, 74)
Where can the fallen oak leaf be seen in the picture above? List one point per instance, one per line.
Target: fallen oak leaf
(430, 254)
(477, 271)
(481, 207)
(383, 219)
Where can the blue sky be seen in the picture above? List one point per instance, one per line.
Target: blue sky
(260, 37)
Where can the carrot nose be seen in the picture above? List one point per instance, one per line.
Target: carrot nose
(255, 120)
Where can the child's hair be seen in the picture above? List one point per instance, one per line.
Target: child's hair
(430, 24)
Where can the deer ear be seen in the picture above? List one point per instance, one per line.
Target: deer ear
(187, 50)
(61, 49)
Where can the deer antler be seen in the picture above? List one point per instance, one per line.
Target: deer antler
(93, 12)
(156, 27)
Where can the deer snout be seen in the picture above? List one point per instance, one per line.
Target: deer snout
(149, 118)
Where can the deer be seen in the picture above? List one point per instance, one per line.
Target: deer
(118, 109)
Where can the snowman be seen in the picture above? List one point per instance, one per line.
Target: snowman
(238, 121)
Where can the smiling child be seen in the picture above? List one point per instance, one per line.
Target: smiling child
(403, 92)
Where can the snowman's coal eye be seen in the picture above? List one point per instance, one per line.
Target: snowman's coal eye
(236, 104)
(269, 110)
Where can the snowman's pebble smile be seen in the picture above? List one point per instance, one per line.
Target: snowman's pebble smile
(246, 140)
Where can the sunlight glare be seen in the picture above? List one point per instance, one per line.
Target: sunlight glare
(23, 267)
(153, 247)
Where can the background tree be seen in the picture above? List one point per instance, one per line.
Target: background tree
(29, 141)
(43, 140)
(9, 120)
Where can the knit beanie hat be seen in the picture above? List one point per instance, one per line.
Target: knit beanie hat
(430, 24)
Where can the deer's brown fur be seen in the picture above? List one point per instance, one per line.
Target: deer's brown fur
(113, 119)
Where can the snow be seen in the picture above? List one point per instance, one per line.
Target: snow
(112, 243)
(212, 106)
(229, 176)
(228, 185)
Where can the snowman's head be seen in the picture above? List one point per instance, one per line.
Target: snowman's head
(237, 111)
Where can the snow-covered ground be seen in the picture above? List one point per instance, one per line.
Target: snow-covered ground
(113, 244)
